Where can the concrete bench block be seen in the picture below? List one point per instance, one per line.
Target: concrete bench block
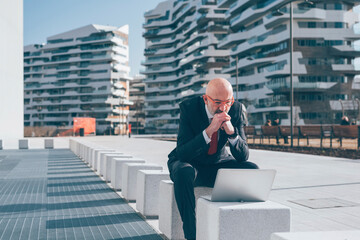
(129, 178)
(108, 163)
(328, 235)
(96, 157)
(102, 161)
(235, 220)
(77, 148)
(90, 154)
(93, 153)
(170, 223)
(116, 170)
(147, 195)
(48, 143)
(82, 150)
(23, 144)
(100, 158)
(81, 155)
(86, 152)
(72, 145)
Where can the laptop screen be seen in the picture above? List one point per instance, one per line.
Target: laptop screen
(247, 185)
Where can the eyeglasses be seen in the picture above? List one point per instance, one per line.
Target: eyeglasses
(218, 102)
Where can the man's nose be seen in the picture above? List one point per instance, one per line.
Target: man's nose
(223, 107)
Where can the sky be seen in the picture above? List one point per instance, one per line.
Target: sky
(45, 18)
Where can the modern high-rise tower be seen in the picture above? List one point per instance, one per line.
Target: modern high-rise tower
(137, 113)
(182, 55)
(324, 66)
(80, 73)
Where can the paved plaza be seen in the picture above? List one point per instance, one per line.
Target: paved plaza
(328, 186)
(53, 194)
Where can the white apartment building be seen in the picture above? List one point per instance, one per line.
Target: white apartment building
(182, 55)
(137, 97)
(79, 73)
(324, 72)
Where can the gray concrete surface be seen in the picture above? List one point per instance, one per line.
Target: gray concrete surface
(331, 185)
(52, 194)
(299, 177)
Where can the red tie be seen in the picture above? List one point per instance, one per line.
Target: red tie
(213, 143)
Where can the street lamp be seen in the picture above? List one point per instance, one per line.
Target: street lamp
(291, 49)
(358, 103)
(237, 76)
(342, 107)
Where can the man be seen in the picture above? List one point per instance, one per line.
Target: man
(206, 124)
(277, 123)
(268, 122)
(345, 121)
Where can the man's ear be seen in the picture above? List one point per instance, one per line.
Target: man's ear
(205, 99)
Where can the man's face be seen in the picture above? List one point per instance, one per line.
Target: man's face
(219, 104)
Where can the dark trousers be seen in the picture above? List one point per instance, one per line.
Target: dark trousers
(186, 177)
(286, 141)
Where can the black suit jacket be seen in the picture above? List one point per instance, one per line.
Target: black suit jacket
(191, 145)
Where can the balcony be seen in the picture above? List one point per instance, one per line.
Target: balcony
(260, 42)
(148, 52)
(162, 107)
(345, 50)
(151, 33)
(224, 3)
(253, 13)
(280, 106)
(345, 68)
(306, 86)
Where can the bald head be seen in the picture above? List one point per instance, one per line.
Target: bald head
(219, 88)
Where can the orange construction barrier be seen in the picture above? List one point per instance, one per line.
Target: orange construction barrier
(88, 124)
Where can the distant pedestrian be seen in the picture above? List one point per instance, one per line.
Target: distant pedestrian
(345, 121)
(129, 130)
(268, 122)
(276, 122)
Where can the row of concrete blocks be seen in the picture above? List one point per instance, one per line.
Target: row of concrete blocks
(150, 186)
(24, 144)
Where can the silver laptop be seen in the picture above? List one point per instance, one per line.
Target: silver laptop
(242, 185)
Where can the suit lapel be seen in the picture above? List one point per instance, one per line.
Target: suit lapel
(204, 120)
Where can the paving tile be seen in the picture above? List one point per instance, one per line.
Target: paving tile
(52, 194)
